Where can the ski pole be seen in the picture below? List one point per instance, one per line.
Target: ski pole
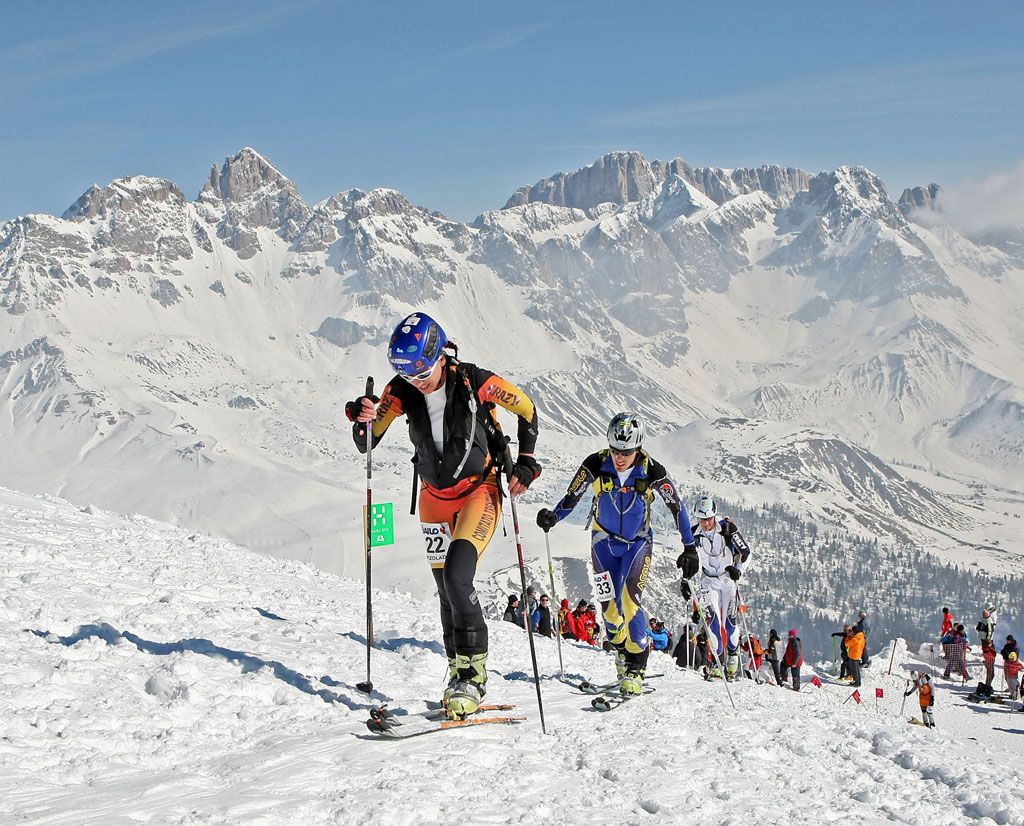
(522, 576)
(835, 664)
(892, 657)
(695, 589)
(367, 687)
(903, 705)
(554, 596)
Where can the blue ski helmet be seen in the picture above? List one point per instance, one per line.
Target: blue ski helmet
(416, 344)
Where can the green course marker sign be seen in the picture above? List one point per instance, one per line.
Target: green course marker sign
(382, 524)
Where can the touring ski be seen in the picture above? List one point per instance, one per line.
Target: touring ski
(606, 702)
(399, 727)
(588, 687)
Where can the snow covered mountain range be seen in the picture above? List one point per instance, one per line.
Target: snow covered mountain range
(793, 338)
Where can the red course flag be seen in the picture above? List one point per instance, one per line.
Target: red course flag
(856, 696)
(815, 681)
(879, 693)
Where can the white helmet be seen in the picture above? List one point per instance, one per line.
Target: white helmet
(626, 432)
(705, 508)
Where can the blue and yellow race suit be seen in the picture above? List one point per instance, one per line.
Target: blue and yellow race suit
(622, 540)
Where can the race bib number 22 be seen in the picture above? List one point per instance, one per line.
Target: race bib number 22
(437, 539)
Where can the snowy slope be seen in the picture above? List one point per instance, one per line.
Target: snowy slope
(151, 675)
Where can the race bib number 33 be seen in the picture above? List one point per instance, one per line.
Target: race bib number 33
(604, 587)
(437, 539)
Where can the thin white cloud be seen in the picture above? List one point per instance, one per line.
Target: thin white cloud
(996, 202)
(97, 51)
(845, 98)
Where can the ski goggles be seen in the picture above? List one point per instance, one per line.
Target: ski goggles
(616, 452)
(426, 374)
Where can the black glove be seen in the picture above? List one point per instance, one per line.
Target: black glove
(733, 572)
(688, 561)
(526, 470)
(546, 519)
(353, 408)
(684, 589)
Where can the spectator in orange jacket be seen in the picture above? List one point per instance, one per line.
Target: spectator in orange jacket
(855, 651)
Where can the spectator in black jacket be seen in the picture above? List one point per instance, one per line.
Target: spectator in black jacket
(865, 626)
(1011, 646)
(512, 613)
(844, 667)
(542, 617)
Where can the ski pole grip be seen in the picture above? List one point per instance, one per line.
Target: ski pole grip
(367, 426)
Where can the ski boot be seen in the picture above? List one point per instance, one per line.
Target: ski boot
(732, 666)
(714, 672)
(620, 663)
(632, 683)
(453, 678)
(470, 687)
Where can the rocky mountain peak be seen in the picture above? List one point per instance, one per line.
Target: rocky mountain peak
(617, 178)
(244, 175)
(851, 192)
(124, 195)
(919, 198)
(248, 192)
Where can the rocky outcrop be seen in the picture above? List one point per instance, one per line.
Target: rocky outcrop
(919, 198)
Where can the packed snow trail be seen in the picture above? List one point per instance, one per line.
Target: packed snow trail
(150, 675)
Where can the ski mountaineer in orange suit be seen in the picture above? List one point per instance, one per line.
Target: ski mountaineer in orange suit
(449, 405)
(625, 480)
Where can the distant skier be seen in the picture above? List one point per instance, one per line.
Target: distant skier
(624, 480)
(922, 684)
(722, 553)
(453, 428)
(793, 659)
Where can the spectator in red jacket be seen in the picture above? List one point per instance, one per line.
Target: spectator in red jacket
(581, 621)
(566, 623)
(792, 659)
(947, 622)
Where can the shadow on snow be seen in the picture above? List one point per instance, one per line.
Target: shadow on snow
(247, 662)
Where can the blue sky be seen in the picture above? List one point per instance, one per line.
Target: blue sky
(457, 104)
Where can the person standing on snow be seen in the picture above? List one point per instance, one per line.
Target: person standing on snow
(986, 627)
(855, 652)
(722, 552)
(453, 427)
(772, 654)
(542, 617)
(865, 627)
(512, 613)
(624, 479)
(566, 623)
(922, 684)
(793, 659)
(1011, 670)
(954, 643)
